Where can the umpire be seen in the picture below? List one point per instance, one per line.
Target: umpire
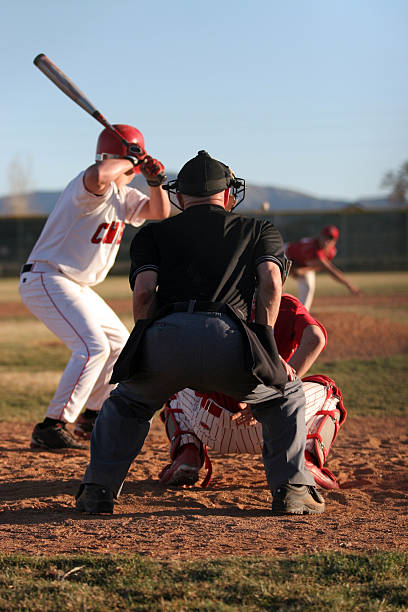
(193, 278)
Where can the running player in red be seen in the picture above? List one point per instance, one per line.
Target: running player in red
(225, 426)
(310, 255)
(75, 251)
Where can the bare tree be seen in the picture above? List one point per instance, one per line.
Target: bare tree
(20, 181)
(398, 183)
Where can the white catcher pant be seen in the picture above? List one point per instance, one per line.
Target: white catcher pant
(212, 423)
(89, 328)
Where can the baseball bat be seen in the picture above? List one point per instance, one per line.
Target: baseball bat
(69, 88)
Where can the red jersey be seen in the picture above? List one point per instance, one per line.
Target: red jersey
(305, 252)
(292, 320)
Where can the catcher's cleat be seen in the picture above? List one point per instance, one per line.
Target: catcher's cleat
(85, 424)
(185, 468)
(53, 437)
(94, 499)
(297, 499)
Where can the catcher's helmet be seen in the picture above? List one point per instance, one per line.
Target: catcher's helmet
(204, 176)
(109, 146)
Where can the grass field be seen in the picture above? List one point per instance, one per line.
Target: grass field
(308, 583)
(31, 361)
(371, 283)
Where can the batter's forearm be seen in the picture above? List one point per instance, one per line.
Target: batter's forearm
(158, 206)
(99, 176)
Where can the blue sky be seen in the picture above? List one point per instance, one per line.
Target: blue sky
(310, 95)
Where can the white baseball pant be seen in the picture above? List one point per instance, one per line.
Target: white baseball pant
(212, 423)
(306, 288)
(90, 329)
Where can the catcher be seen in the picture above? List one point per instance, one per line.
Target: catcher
(197, 421)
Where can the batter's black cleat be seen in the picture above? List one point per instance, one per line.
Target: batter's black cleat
(297, 499)
(53, 437)
(85, 424)
(94, 499)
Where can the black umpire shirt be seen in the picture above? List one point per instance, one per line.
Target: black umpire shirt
(209, 255)
(206, 254)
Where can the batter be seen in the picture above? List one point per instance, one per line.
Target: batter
(75, 251)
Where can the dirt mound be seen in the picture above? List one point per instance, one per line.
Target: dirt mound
(351, 335)
(355, 336)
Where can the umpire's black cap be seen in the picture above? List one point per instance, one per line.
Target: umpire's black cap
(203, 176)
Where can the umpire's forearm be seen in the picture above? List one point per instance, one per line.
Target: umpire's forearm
(269, 293)
(144, 306)
(144, 295)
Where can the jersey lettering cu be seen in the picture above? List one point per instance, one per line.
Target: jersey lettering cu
(86, 251)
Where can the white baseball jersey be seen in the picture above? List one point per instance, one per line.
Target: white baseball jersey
(82, 234)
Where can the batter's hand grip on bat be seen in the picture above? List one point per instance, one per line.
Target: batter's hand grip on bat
(153, 171)
(136, 151)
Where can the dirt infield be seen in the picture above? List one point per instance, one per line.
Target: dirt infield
(370, 511)
(232, 516)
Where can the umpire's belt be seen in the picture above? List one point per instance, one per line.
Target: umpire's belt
(260, 348)
(198, 306)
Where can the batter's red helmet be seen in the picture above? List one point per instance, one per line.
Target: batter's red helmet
(110, 147)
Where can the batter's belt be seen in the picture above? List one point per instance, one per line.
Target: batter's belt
(39, 266)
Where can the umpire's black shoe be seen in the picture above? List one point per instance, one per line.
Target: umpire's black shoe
(53, 437)
(297, 499)
(94, 499)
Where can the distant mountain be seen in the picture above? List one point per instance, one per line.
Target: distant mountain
(283, 200)
(279, 200)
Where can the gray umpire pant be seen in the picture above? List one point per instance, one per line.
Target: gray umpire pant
(203, 351)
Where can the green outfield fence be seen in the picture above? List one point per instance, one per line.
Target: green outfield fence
(369, 240)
